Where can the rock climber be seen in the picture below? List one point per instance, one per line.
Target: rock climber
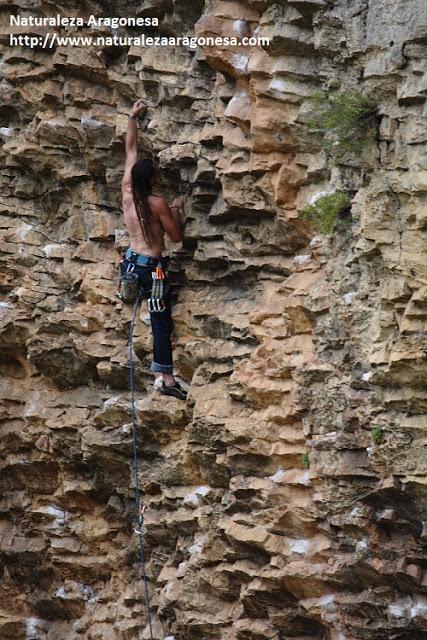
(148, 218)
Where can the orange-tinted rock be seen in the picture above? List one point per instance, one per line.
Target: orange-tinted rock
(285, 498)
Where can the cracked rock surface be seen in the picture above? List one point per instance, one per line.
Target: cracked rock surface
(286, 499)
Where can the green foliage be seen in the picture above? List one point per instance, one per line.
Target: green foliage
(347, 120)
(377, 435)
(323, 213)
(304, 460)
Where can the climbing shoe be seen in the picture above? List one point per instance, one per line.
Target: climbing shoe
(176, 391)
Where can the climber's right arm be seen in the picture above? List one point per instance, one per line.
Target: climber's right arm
(132, 144)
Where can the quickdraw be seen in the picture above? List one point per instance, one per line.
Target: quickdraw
(156, 301)
(141, 530)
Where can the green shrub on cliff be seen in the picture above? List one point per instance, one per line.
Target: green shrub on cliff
(305, 461)
(327, 210)
(377, 435)
(347, 120)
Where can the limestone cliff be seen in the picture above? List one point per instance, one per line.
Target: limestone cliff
(286, 500)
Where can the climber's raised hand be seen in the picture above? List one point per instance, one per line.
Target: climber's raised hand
(138, 107)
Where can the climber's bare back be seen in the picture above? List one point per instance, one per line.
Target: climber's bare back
(137, 242)
(163, 219)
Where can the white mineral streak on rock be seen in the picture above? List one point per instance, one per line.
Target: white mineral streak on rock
(111, 402)
(23, 230)
(348, 297)
(362, 545)
(240, 26)
(315, 241)
(300, 546)
(197, 547)
(294, 476)
(278, 84)
(194, 498)
(398, 611)
(90, 123)
(50, 249)
(55, 124)
(74, 590)
(317, 195)
(419, 608)
(59, 516)
(278, 476)
(182, 569)
(302, 259)
(32, 631)
(240, 62)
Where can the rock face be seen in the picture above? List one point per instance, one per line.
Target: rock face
(287, 498)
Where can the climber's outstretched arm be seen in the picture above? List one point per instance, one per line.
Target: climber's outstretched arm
(132, 144)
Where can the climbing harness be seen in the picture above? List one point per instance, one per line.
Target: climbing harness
(128, 288)
(139, 505)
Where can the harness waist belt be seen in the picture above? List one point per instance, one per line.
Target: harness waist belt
(141, 259)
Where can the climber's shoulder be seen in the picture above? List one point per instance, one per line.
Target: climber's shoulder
(158, 205)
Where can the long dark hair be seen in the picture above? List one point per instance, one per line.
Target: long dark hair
(142, 175)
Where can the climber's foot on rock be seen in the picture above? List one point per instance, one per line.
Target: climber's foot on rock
(174, 390)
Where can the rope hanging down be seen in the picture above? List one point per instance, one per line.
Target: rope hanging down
(140, 507)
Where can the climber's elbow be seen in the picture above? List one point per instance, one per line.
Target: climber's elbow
(176, 235)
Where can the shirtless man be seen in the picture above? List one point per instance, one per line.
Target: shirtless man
(148, 218)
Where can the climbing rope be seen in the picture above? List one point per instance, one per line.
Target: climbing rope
(140, 507)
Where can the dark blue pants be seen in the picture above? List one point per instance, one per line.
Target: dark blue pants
(161, 321)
